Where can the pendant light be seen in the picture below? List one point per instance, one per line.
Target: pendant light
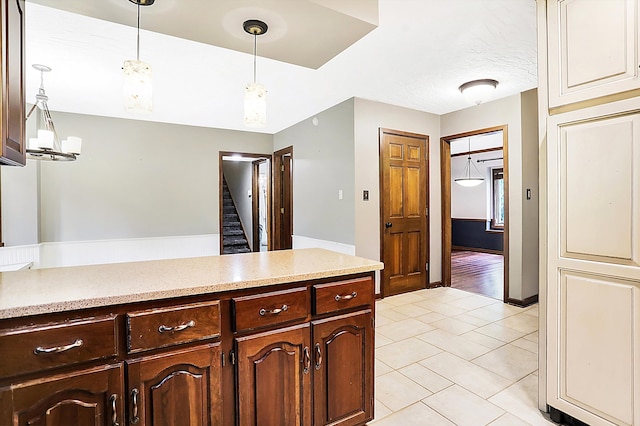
(467, 179)
(47, 146)
(478, 91)
(255, 94)
(138, 90)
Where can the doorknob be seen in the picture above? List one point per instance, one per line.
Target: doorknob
(388, 225)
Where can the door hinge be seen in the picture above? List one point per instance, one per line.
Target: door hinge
(232, 357)
(282, 210)
(282, 168)
(373, 322)
(426, 211)
(223, 359)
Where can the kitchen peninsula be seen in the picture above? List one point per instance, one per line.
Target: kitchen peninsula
(282, 337)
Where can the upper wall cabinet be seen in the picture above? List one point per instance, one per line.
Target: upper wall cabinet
(593, 49)
(12, 110)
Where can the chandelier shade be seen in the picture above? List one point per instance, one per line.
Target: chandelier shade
(138, 84)
(47, 144)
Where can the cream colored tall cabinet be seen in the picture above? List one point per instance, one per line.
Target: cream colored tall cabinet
(590, 97)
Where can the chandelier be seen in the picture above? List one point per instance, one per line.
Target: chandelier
(467, 179)
(47, 146)
(255, 94)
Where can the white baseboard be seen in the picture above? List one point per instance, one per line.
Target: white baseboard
(75, 253)
(300, 242)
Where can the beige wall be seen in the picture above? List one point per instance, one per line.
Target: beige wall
(134, 179)
(511, 111)
(369, 117)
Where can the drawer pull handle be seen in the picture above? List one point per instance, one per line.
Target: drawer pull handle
(58, 349)
(134, 409)
(114, 411)
(276, 311)
(307, 360)
(318, 356)
(164, 329)
(347, 297)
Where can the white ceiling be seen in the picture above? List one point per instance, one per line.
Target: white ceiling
(420, 53)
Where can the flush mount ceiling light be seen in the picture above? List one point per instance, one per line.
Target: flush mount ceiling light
(478, 91)
(47, 145)
(138, 88)
(467, 179)
(255, 94)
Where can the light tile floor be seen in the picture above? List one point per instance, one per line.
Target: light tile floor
(449, 357)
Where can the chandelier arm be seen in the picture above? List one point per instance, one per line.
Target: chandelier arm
(31, 111)
(255, 53)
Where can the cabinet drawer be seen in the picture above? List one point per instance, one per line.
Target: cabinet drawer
(335, 296)
(53, 345)
(270, 308)
(156, 328)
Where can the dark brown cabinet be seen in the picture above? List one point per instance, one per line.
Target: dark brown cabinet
(274, 377)
(290, 354)
(177, 388)
(12, 110)
(342, 369)
(87, 397)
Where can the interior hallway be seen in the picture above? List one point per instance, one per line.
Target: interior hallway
(449, 357)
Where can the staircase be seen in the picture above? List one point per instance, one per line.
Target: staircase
(234, 239)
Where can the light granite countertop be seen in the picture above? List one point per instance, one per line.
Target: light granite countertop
(40, 291)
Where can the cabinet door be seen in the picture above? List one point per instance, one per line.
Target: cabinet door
(343, 369)
(12, 121)
(274, 378)
(593, 260)
(593, 47)
(176, 388)
(84, 398)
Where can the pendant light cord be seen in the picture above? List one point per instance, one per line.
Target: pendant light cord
(255, 52)
(138, 40)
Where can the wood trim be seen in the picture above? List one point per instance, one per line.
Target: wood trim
(523, 303)
(475, 249)
(445, 174)
(277, 198)
(478, 151)
(222, 154)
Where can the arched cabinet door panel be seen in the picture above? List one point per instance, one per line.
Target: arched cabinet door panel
(87, 397)
(182, 387)
(274, 377)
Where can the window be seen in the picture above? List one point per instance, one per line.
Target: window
(497, 195)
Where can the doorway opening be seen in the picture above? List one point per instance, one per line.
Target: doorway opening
(245, 202)
(475, 218)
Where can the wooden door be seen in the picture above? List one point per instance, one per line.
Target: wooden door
(343, 370)
(283, 198)
(274, 378)
(403, 211)
(83, 398)
(12, 118)
(593, 263)
(178, 388)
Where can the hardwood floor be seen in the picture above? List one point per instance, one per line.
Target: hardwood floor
(480, 273)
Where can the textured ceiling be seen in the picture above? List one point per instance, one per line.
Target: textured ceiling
(420, 53)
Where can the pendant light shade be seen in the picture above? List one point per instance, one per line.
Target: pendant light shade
(255, 94)
(255, 105)
(467, 179)
(478, 91)
(138, 86)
